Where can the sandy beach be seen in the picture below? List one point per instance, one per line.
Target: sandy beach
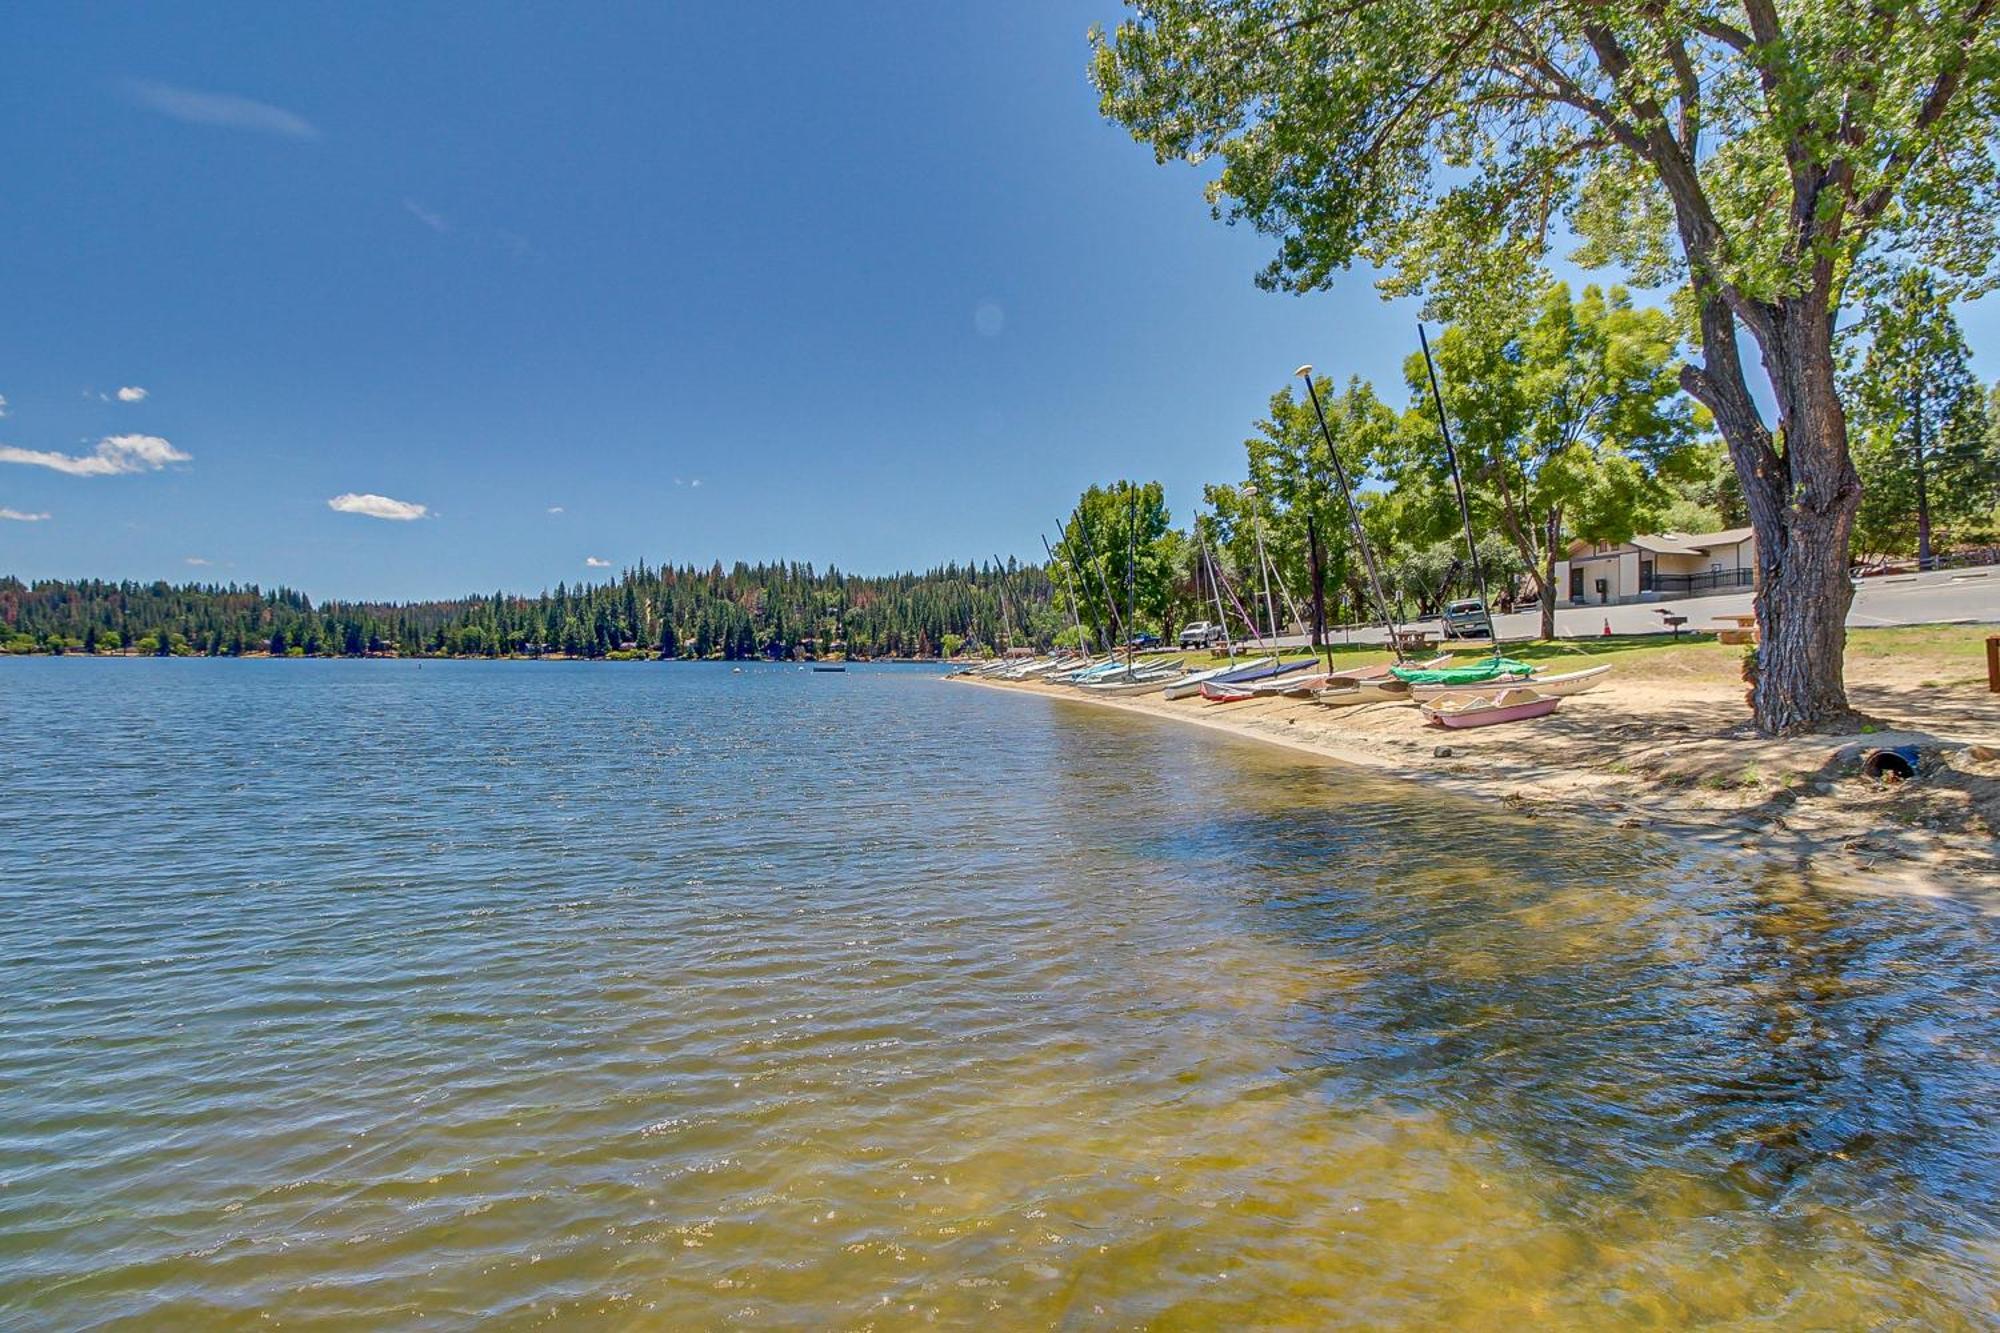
(1666, 746)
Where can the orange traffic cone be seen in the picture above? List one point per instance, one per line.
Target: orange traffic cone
(1607, 626)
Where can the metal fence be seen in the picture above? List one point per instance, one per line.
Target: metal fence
(1962, 559)
(1689, 585)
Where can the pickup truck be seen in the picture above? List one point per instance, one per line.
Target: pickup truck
(1201, 634)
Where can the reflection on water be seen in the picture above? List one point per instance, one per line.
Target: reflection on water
(666, 996)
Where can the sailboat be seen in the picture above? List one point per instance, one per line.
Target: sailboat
(1135, 682)
(1510, 705)
(1235, 671)
(1251, 686)
(1474, 673)
(1369, 690)
(1560, 686)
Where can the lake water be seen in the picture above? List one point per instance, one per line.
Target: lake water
(373, 994)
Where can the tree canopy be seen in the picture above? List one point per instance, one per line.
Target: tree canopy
(1925, 451)
(1765, 156)
(1568, 418)
(1127, 560)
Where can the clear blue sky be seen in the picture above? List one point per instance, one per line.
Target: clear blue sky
(862, 284)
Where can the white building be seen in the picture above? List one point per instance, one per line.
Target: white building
(1657, 568)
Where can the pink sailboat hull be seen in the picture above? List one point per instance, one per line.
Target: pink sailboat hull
(1503, 710)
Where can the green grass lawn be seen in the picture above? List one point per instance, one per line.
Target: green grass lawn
(1943, 654)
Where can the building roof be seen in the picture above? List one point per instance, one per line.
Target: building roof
(1665, 544)
(1690, 543)
(1727, 537)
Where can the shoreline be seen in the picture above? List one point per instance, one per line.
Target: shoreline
(480, 657)
(1676, 760)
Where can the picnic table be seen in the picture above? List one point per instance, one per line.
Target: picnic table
(1736, 629)
(1414, 639)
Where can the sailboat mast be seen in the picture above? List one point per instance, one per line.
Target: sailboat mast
(1082, 643)
(1131, 570)
(1103, 579)
(1353, 514)
(1458, 483)
(1263, 564)
(1291, 602)
(1006, 620)
(1215, 591)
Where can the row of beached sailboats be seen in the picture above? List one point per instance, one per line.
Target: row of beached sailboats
(1451, 694)
(1472, 694)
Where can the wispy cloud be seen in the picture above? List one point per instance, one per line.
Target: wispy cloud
(222, 110)
(595, 563)
(678, 481)
(513, 242)
(510, 243)
(437, 222)
(16, 516)
(555, 509)
(131, 393)
(378, 506)
(113, 455)
(3, 404)
(198, 560)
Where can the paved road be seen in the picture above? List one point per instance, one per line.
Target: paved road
(1941, 597)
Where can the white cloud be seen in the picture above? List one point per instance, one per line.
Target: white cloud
(222, 110)
(198, 560)
(595, 563)
(555, 509)
(113, 455)
(16, 516)
(696, 483)
(3, 404)
(437, 222)
(131, 393)
(378, 506)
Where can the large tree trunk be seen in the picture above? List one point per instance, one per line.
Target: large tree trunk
(1802, 503)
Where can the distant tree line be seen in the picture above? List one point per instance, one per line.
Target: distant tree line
(748, 611)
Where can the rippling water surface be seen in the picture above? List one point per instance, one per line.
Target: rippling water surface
(370, 994)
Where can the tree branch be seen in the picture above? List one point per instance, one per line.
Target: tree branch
(1690, 96)
(1446, 66)
(1569, 92)
(1728, 34)
(1943, 89)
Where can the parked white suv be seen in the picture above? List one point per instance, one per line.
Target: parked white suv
(1201, 634)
